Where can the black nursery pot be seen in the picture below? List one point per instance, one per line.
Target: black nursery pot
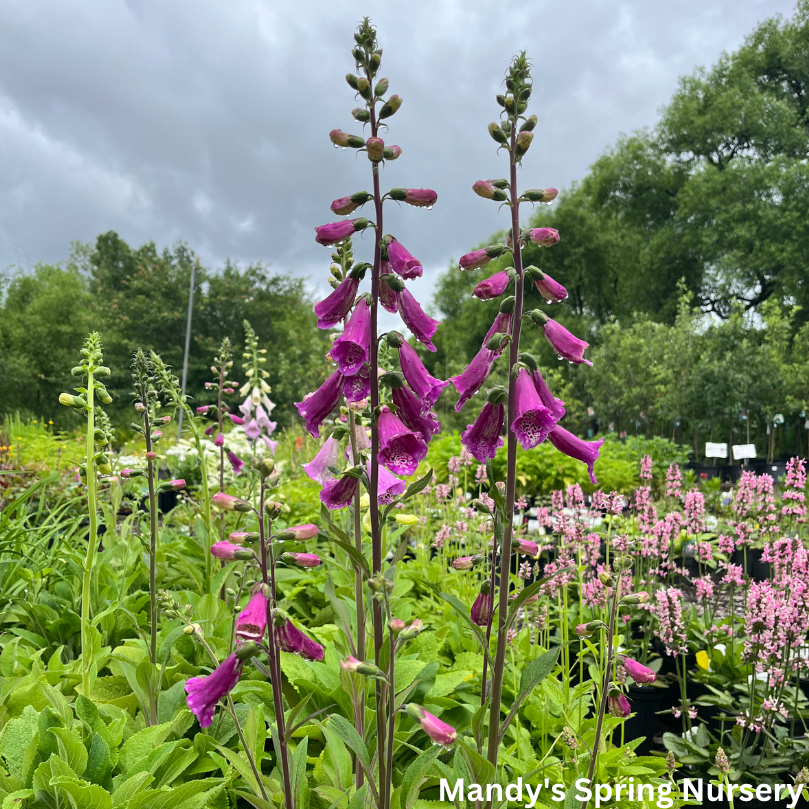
(646, 701)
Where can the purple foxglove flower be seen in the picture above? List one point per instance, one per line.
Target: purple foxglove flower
(219, 441)
(387, 297)
(492, 287)
(421, 325)
(131, 473)
(204, 409)
(501, 325)
(564, 343)
(638, 672)
(227, 550)
(541, 194)
(333, 309)
(467, 562)
(393, 152)
(290, 639)
(270, 444)
(483, 437)
(475, 259)
(235, 419)
(251, 623)
(354, 666)
(556, 406)
(316, 406)
(375, 148)
(346, 205)
(227, 502)
(389, 486)
(338, 493)
(526, 546)
(303, 559)
(228, 390)
(532, 420)
(211, 429)
(205, 692)
(472, 379)
(150, 456)
(425, 386)
(547, 237)
(318, 468)
(401, 261)
(619, 706)
(358, 387)
(481, 609)
(487, 190)
(264, 420)
(585, 451)
(409, 410)
(551, 290)
(440, 732)
(252, 430)
(236, 463)
(337, 231)
(176, 485)
(400, 449)
(240, 537)
(351, 348)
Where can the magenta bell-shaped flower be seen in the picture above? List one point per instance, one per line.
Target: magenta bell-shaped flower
(228, 550)
(471, 380)
(316, 406)
(236, 463)
(422, 326)
(556, 406)
(251, 623)
(638, 672)
(389, 486)
(585, 451)
(303, 559)
(290, 639)
(425, 386)
(357, 387)
(551, 290)
(526, 546)
(318, 468)
(387, 297)
(619, 706)
(483, 437)
(351, 348)
(440, 732)
(333, 309)
(501, 325)
(400, 449)
(219, 441)
(338, 493)
(409, 410)
(492, 287)
(475, 259)
(532, 420)
(564, 343)
(547, 237)
(481, 609)
(337, 231)
(205, 692)
(401, 261)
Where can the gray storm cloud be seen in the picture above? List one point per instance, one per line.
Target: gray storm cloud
(207, 121)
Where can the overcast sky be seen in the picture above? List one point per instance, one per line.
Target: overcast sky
(207, 121)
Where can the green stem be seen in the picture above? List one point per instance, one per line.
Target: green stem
(92, 539)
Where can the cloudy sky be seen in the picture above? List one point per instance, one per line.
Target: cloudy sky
(207, 121)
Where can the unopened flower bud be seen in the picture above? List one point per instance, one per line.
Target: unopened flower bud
(396, 625)
(346, 205)
(131, 473)
(413, 630)
(392, 152)
(721, 760)
(467, 562)
(227, 502)
(174, 485)
(523, 143)
(540, 194)
(497, 133)
(272, 509)
(606, 579)
(246, 649)
(352, 81)
(487, 190)
(266, 467)
(376, 149)
(228, 550)
(636, 598)
(297, 533)
(344, 139)
(361, 114)
(68, 400)
(381, 87)
(529, 125)
(480, 507)
(364, 88)
(151, 456)
(525, 546)
(140, 407)
(547, 237)
(243, 537)
(354, 666)
(390, 107)
(417, 197)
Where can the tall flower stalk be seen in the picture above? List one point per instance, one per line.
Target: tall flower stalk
(96, 462)
(531, 413)
(401, 424)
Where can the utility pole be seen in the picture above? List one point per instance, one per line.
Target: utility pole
(187, 340)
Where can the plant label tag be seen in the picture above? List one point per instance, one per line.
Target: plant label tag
(716, 450)
(743, 451)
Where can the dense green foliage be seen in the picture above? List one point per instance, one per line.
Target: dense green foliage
(139, 297)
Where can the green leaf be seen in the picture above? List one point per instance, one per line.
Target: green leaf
(71, 750)
(83, 795)
(17, 799)
(15, 738)
(99, 761)
(130, 788)
(416, 774)
(300, 788)
(348, 733)
(356, 557)
(414, 488)
(138, 746)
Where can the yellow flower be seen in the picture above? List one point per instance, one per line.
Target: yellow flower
(35, 421)
(703, 661)
(407, 519)
(365, 501)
